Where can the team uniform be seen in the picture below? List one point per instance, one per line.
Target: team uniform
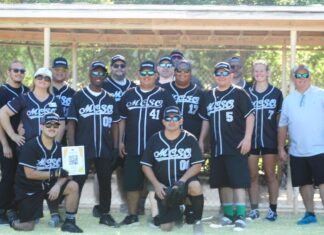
(267, 107)
(31, 193)
(169, 160)
(190, 100)
(143, 112)
(226, 112)
(8, 166)
(115, 89)
(31, 111)
(65, 96)
(94, 116)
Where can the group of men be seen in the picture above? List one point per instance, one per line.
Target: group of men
(153, 134)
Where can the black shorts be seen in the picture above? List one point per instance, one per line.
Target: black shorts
(132, 173)
(307, 170)
(263, 151)
(229, 171)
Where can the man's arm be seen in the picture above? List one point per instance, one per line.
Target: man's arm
(282, 135)
(245, 144)
(71, 132)
(158, 186)
(192, 171)
(7, 151)
(122, 126)
(203, 134)
(115, 134)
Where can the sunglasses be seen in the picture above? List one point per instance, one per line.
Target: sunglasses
(176, 57)
(52, 124)
(235, 66)
(168, 65)
(183, 70)
(301, 75)
(45, 78)
(97, 73)
(147, 73)
(21, 71)
(174, 118)
(224, 73)
(116, 66)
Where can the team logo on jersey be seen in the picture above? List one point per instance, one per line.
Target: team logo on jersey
(118, 95)
(52, 105)
(186, 99)
(221, 105)
(38, 113)
(91, 110)
(139, 104)
(65, 100)
(166, 154)
(265, 104)
(47, 164)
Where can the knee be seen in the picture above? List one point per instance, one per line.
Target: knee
(195, 188)
(72, 187)
(270, 175)
(166, 227)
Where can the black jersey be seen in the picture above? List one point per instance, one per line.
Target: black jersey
(226, 112)
(36, 156)
(65, 96)
(31, 110)
(267, 106)
(143, 112)
(170, 159)
(115, 89)
(190, 100)
(94, 116)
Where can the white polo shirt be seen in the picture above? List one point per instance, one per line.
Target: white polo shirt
(304, 116)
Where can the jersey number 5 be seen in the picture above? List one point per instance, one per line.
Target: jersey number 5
(229, 116)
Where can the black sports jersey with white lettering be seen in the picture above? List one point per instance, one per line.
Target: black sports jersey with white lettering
(94, 116)
(31, 111)
(115, 89)
(65, 96)
(226, 112)
(267, 106)
(170, 159)
(190, 100)
(36, 156)
(143, 112)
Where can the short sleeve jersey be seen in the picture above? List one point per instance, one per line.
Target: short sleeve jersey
(94, 116)
(115, 89)
(37, 157)
(190, 100)
(267, 107)
(226, 112)
(143, 112)
(31, 111)
(170, 159)
(65, 96)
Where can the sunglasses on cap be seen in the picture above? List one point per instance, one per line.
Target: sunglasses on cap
(116, 66)
(52, 124)
(301, 75)
(168, 65)
(224, 73)
(45, 78)
(176, 57)
(147, 73)
(174, 118)
(98, 73)
(21, 71)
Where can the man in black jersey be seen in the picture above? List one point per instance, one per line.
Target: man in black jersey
(237, 70)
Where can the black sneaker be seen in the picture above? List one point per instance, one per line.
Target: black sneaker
(71, 227)
(107, 219)
(4, 220)
(12, 216)
(96, 211)
(189, 217)
(130, 220)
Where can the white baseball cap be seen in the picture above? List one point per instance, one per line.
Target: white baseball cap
(44, 72)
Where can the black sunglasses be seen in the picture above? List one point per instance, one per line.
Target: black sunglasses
(224, 73)
(98, 73)
(52, 124)
(174, 118)
(21, 71)
(116, 66)
(45, 78)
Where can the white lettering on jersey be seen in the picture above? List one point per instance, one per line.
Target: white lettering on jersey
(138, 104)
(265, 104)
(38, 113)
(91, 110)
(220, 106)
(186, 99)
(65, 100)
(47, 164)
(166, 154)
(118, 95)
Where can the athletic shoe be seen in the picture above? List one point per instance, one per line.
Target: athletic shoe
(307, 219)
(253, 215)
(239, 224)
(271, 215)
(12, 216)
(69, 226)
(130, 220)
(107, 219)
(189, 216)
(223, 222)
(4, 220)
(155, 222)
(198, 228)
(54, 221)
(96, 211)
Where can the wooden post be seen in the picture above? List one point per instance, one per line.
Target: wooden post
(47, 46)
(74, 65)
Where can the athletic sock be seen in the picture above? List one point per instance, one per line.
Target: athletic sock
(70, 216)
(197, 205)
(240, 210)
(273, 207)
(228, 210)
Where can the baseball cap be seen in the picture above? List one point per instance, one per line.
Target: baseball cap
(44, 72)
(234, 59)
(97, 64)
(176, 52)
(60, 62)
(148, 64)
(50, 117)
(223, 65)
(300, 67)
(164, 58)
(116, 58)
(171, 110)
(183, 65)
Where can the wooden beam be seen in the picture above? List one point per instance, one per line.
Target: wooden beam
(47, 46)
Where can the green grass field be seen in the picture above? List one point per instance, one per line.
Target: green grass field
(285, 225)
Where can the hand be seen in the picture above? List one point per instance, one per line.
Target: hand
(58, 173)
(245, 145)
(7, 152)
(122, 151)
(20, 129)
(54, 192)
(160, 190)
(18, 139)
(283, 155)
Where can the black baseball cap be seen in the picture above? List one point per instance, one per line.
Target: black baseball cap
(116, 58)
(165, 58)
(176, 52)
(50, 117)
(148, 64)
(171, 110)
(97, 64)
(223, 65)
(60, 62)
